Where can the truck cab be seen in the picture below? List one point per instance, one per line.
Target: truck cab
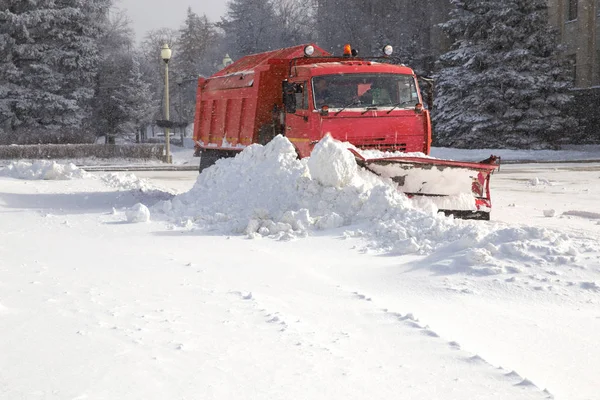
(369, 104)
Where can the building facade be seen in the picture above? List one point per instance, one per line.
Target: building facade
(578, 22)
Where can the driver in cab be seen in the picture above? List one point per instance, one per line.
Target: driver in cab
(322, 93)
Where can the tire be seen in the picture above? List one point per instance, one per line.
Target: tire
(208, 158)
(265, 134)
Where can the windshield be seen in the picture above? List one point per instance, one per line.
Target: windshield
(364, 90)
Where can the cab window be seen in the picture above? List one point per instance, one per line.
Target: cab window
(301, 96)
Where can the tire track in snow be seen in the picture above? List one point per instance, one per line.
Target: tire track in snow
(330, 342)
(279, 322)
(409, 320)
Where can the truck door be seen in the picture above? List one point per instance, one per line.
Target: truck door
(297, 122)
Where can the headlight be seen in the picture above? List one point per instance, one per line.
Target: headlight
(309, 50)
(388, 50)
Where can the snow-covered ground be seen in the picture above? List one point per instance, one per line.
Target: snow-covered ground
(267, 277)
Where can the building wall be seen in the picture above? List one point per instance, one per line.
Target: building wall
(579, 35)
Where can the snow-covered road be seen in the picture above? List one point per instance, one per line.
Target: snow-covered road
(94, 307)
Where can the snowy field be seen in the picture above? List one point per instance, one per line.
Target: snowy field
(269, 278)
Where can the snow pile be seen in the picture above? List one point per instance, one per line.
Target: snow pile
(142, 188)
(138, 213)
(42, 169)
(127, 181)
(540, 182)
(267, 191)
(330, 167)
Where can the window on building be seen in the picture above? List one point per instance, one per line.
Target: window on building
(571, 10)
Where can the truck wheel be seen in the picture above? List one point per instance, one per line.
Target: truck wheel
(265, 134)
(208, 158)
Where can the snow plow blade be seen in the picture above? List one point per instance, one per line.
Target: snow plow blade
(457, 188)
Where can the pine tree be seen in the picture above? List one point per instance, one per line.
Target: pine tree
(196, 43)
(198, 54)
(501, 84)
(109, 117)
(341, 21)
(134, 100)
(48, 62)
(124, 100)
(296, 22)
(250, 27)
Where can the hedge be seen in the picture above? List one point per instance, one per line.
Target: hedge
(71, 151)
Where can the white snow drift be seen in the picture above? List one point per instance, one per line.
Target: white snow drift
(41, 169)
(267, 191)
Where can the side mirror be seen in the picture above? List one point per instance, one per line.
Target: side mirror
(289, 97)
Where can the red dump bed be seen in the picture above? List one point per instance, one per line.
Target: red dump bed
(233, 103)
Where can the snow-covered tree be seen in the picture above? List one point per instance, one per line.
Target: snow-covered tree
(369, 25)
(48, 62)
(341, 21)
(250, 27)
(109, 118)
(134, 100)
(295, 21)
(124, 100)
(501, 84)
(196, 43)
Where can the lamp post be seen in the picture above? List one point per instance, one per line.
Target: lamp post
(165, 54)
(180, 84)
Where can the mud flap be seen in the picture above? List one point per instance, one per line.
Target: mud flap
(456, 188)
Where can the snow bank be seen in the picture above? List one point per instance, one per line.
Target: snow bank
(140, 187)
(41, 169)
(127, 181)
(267, 192)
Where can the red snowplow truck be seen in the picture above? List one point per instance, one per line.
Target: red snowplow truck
(305, 93)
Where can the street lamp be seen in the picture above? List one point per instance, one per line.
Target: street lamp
(165, 54)
(227, 61)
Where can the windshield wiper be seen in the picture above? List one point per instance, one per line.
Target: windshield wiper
(397, 105)
(353, 103)
(372, 108)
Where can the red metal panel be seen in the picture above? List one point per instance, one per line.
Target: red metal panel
(247, 120)
(262, 59)
(221, 111)
(233, 81)
(203, 128)
(402, 130)
(199, 115)
(213, 121)
(230, 135)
